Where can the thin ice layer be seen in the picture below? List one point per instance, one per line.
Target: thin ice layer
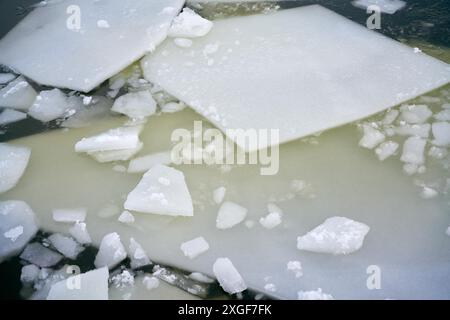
(315, 69)
(88, 51)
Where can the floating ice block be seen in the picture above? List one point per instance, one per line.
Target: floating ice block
(301, 71)
(50, 47)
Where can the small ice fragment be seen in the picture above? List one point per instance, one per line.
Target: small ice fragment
(103, 24)
(219, 194)
(271, 220)
(227, 275)
(150, 196)
(419, 130)
(386, 149)
(119, 168)
(410, 168)
(249, 224)
(229, 215)
(39, 255)
(108, 211)
(135, 105)
(80, 233)
(150, 283)
(111, 251)
(195, 247)
(443, 115)
(126, 217)
(337, 235)
(200, 277)
(123, 279)
(144, 163)
(113, 139)
(413, 150)
(93, 285)
(314, 295)
(14, 233)
(428, 193)
(415, 113)
(182, 42)
(385, 6)
(137, 255)
(390, 117)
(13, 162)
(417, 50)
(437, 153)
(295, 267)
(29, 273)
(49, 105)
(18, 94)
(6, 77)
(273, 208)
(115, 155)
(66, 245)
(87, 100)
(189, 24)
(69, 215)
(372, 137)
(441, 133)
(172, 107)
(270, 287)
(10, 116)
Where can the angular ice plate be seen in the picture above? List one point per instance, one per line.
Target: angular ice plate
(301, 71)
(44, 49)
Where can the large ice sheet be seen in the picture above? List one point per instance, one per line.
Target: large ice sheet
(45, 49)
(301, 71)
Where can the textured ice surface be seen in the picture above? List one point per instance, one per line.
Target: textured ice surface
(194, 247)
(415, 113)
(189, 24)
(18, 94)
(113, 139)
(69, 215)
(228, 276)
(136, 105)
(144, 163)
(9, 116)
(92, 285)
(111, 251)
(230, 214)
(39, 255)
(386, 149)
(386, 6)
(337, 235)
(49, 105)
(135, 28)
(17, 227)
(65, 245)
(314, 295)
(13, 162)
(287, 62)
(154, 195)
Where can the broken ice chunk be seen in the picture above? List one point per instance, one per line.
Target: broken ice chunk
(123, 279)
(337, 235)
(219, 194)
(386, 6)
(115, 155)
(195, 247)
(443, 115)
(17, 227)
(69, 215)
(13, 162)
(18, 94)
(230, 214)
(151, 196)
(428, 193)
(113, 139)
(137, 255)
(10, 116)
(437, 153)
(92, 285)
(441, 133)
(49, 105)
(6, 77)
(415, 113)
(419, 130)
(135, 105)
(295, 267)
(314, 295)
(111, 251)
(39, 255)
(135, 28)
(29, 273)
(172, 107)
(126, 217)
(227, 275)
(65, 245)
(372, 137)
(271, 220)
(200, 277)
(189, 24)
(410, 168)
(150, 283)
(390, 117)
(386, 149)
(144, 163)
(80, 233)
(413, 150)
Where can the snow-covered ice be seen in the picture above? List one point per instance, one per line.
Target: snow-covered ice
(195, 247)
(18, 94)
(135, 28)
(49, 105)
(69, 215)
(441, 133)
(13, 162)
(229, 215)
(111, 251)
(219, 194)
(66, 245)
(135, 105)
(92, 285)
(386, 6)
(17, 227)
(189, 24)
(337, 235)
(413, 150)
(137, 255)
(39, 255)
(228, 276)
(152, 196)
(302, 43)
(10, 116)
(386, 149)
(314, 295)
(372, 137)
(80, 233)
(144, 163)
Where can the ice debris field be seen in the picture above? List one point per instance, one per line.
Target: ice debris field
(346, 196)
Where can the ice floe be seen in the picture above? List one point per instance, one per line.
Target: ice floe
(228, 276)
(135, 105)
(269, 46)
(39, 255)
(111, 251)
(189, 24)
(18, 94)
(49, 105)
(372, 137)
(10, 116)
(195, 247)
(441, 133)
(413, 150)
(17, 227)
(80, 233)
(229, 215)
(66, 245)
(337, 235)
(144, 163)
(152, 196)
(386, 149)
(13, 162)
(135, 28)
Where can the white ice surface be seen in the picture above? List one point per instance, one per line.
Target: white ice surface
(145, 163)
(49, 105)
(80, 233)
(441, 133)
(386, 6)
(194, 247)
(65, 245)
(87, 56)
(188, 24)
(69, 215)
(39, 255)
(228, 276)
(314, 295)
(136, 105)
(13, 162)
(324, 71)
(137, 255)
(18, 94)
(10, 116)
(111, 251)
(230, 214)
